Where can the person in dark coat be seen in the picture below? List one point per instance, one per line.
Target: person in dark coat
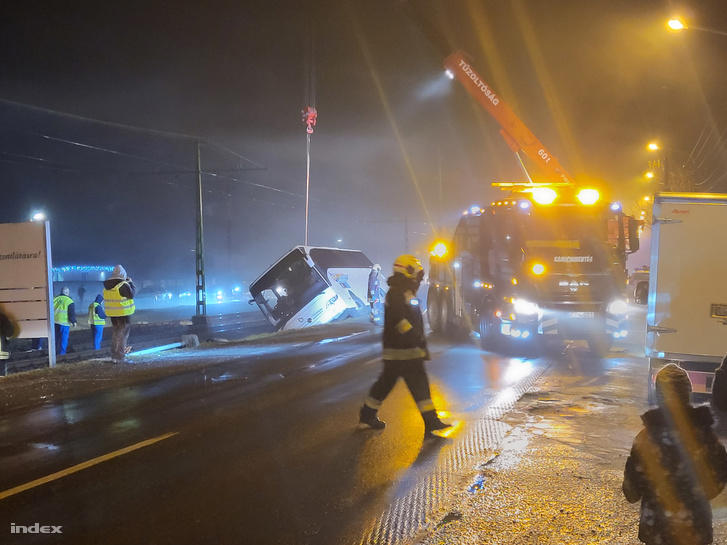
(676, 466)
(118, 294)
(96, 321)
(9, 328)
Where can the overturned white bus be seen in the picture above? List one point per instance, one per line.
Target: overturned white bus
(311, 286)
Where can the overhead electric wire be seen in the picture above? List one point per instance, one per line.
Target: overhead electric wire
(181, 169)
(75, 117)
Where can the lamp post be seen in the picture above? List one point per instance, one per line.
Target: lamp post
(38, 215)
(310, 118)
(677, 24)
(658, 164)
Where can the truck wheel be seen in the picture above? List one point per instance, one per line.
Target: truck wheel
(446, 313)
(434, 311)
(651, 387)
(488, 334)
(600, 345)
(641, 293)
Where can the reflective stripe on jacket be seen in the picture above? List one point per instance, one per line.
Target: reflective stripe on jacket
(93, 317)
(117, 304)
(60, 309)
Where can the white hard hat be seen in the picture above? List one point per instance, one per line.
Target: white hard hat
(119, 273)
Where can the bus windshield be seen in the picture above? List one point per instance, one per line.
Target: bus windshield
(288, 286)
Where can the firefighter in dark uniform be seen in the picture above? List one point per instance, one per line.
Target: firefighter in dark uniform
(405, 348)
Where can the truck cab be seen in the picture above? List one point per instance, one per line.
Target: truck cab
(528, 272)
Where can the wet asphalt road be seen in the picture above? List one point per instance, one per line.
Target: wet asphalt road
(264, 449)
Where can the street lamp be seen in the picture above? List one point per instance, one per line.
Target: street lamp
(38, 216)
(649, 175)
(676, 24)
(652, 146)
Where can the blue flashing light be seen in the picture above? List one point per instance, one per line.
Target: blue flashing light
(84, 268)
(237, 289)
(414, 302)
(525, 205)
(615, 206)
(474, 209)
(476, 284)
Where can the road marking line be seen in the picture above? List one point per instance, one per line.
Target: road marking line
(84, 465)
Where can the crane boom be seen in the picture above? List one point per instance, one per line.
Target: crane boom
(516, 134)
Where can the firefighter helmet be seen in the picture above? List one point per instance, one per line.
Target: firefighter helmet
(409, 266)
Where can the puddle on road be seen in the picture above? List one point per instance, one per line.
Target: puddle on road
(44, 446)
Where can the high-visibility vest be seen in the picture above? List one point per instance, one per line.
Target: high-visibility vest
(93, 318)
(60, 309)
(117, 304)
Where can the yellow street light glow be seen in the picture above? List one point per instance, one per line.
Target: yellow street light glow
(544, 195)
(439, 249)
(588, 196)
(647, 198)
(652, 146)
(676, 24)
(538, 269)
(649, 174)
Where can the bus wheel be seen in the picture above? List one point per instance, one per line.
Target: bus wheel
(434, 311)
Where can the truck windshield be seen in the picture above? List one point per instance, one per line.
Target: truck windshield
(568, 237)
(287, 287)
(560, 224)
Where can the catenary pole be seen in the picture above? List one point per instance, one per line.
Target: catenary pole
(201, 303)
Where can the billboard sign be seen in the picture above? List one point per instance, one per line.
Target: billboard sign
(26, 289)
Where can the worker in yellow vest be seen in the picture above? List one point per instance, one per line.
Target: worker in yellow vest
(64, 315)
(97, 321)
(118, 295)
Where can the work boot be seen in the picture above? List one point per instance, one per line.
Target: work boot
(367, 418)
(433, 423)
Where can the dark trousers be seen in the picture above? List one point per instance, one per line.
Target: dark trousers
(121, 325)
(62, 332)
(96, 336)
(413, 373)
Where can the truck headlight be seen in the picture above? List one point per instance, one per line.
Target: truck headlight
(618, 306)
(523, 306)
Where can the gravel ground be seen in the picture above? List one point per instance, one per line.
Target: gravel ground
(556, 478)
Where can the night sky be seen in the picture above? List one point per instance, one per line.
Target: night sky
(593, 80)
